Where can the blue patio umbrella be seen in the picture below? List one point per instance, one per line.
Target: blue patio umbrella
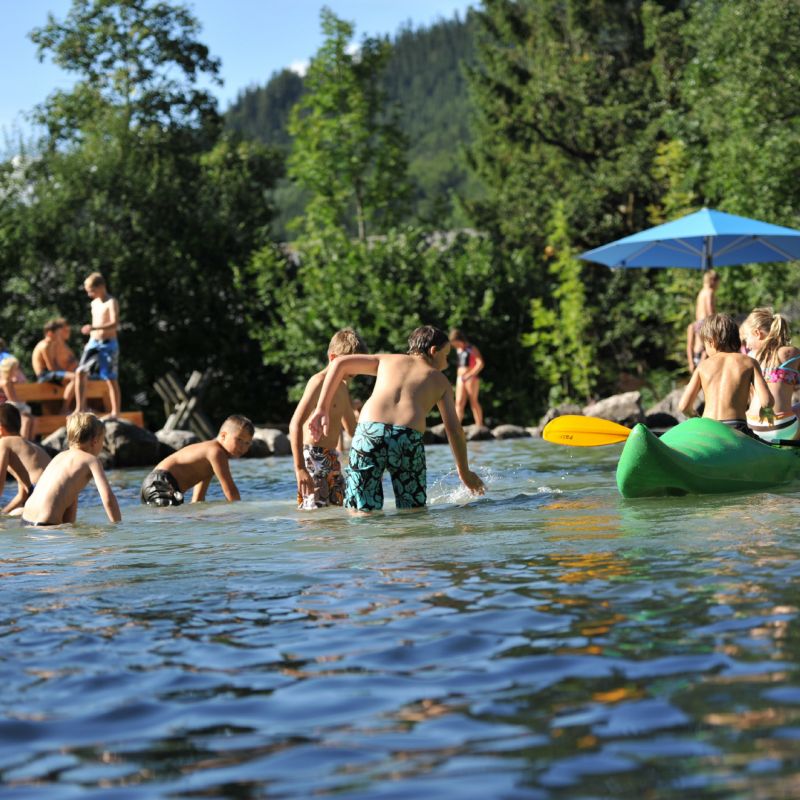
(701, 240)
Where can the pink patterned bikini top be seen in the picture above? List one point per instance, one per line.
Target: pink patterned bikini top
(783, 374)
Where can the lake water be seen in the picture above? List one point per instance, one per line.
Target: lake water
(550, 640)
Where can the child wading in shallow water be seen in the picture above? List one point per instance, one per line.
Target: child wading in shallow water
(55, 500)
(320, 481)
(726, 377)
(390, 428)
(768, 339)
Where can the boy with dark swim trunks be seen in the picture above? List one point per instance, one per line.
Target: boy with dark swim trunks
(100, 357)
(23, 459)
(55, 500)
(726, 377)
(392, 422)
(195, 465)
(320, 481)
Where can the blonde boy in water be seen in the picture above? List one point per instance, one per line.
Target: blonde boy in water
(195, 466)
(55, 500)
(320, 481)
(100, 357)
(391, 426)
(24, 460)
(726, 377)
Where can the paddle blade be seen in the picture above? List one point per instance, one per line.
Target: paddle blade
(577, 431)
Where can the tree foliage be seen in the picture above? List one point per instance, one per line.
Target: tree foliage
(348, 151)
(133, 179)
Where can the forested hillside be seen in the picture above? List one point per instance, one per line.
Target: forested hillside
(425, 83)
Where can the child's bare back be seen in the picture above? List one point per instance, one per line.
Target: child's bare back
(195, 463)
(406, 389)
(55, 500)
(726, 379)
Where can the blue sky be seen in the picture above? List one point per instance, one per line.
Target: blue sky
(253, 38)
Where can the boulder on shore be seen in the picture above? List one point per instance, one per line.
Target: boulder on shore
(171, 441)
(669, 405)
(510, 432)
(436, 435)
(276, 441)
(626, 408)
(477, 433)
(128, 445)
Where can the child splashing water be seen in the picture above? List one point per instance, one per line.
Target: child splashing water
(768, 339)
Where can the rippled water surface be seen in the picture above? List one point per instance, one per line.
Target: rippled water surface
(550, 640)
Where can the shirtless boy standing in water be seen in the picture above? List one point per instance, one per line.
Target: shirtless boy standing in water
(101, 354)
(725, 377)
(392, 422)
(196, 464)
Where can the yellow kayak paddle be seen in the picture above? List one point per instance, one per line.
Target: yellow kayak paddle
(577, 431)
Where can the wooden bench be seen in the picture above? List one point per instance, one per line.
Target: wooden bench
(51, 396)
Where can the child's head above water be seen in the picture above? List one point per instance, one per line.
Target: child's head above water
(84, 428)
(236, 435)
(721, 332)
(10, 419)
(346, 342)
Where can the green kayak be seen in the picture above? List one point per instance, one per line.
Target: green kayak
(701, 456)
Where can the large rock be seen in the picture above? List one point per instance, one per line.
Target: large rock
(625, 408)
(477, 433)
(277, 441)
(56, 441)
(558, 411)
(436, 435)
(128, 445)
(177, 440)
(669, 405)
(509, 432)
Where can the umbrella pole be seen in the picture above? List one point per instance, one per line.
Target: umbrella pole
(707, 255)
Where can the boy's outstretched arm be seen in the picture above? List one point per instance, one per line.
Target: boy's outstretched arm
(458, 444)
(110, 503)
(20, 474)
(686, 404)
(220, 463)
(303, 411)
(342, 368)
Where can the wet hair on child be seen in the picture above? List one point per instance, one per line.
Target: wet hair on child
(346, 342)
(10, 417)
(425, 337)
(83, 427)
(721, 331)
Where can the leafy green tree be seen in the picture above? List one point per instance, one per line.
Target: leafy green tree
(560, 339)
(133, 179)
(348, 151)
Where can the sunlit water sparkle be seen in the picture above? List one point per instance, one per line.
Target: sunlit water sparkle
(549, 640)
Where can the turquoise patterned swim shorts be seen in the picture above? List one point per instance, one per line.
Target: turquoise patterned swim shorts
(377, 447)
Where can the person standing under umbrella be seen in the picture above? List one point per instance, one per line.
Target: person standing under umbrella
(705, 306)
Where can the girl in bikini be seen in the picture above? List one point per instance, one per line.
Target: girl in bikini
(768, 339)
(468, 384)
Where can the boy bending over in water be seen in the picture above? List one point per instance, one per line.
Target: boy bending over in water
(55, 500)
(406, 389)
(725, 377)
(316, 464)
(23, 459)
(196, 464)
